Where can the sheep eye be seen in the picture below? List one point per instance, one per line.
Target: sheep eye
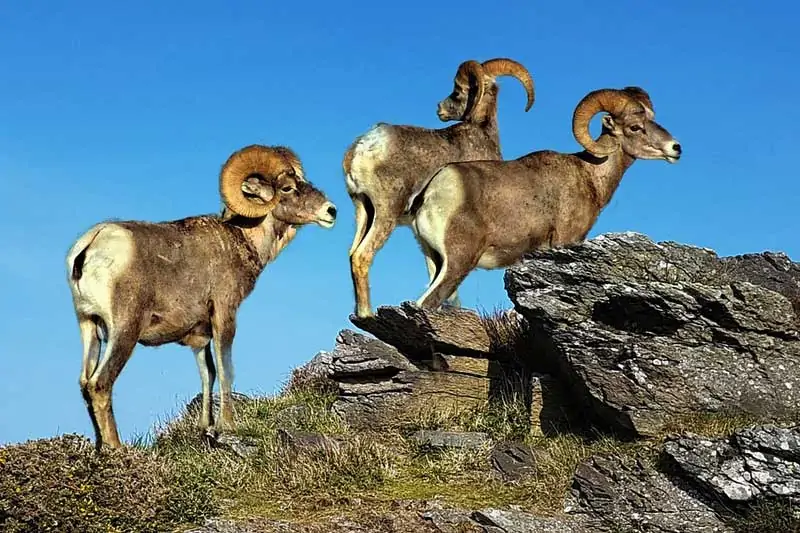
(287, 189)
(636, 127)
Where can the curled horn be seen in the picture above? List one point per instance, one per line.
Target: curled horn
(612, 101)
(470, 74)
(293, 160)
(508, 67)
(264, 162)
(641, 95)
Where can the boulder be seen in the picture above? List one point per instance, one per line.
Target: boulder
(194, 406)
(513, 460)
(612, 493)
(757, 463)
(417, 332)
(492, 520)
(643, 332)
(472, 440)
(378, 385)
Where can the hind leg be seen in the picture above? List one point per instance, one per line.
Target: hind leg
(432, 262)
(458, 260)
(383, 223)
(205, 365)
(122, 340)
(362, 220)
(91, 354)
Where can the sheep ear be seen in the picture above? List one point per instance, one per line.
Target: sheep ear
(256, 187)
(609, 124)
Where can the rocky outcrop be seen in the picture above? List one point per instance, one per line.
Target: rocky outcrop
(612, 493)
(418, 333)
(759, 463)
(377, 384)
(645, 332)
(634, 336)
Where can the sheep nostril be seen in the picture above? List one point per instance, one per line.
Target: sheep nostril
(332, 211)
(676, 147)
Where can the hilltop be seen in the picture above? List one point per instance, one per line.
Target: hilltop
(633, 386)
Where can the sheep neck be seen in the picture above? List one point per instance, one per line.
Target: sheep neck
(605, 173)
(268, 238)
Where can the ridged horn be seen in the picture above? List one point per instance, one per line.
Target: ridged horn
(502, 66)
(641, 95)
(263, 161)
(470, 74)
(612, 101)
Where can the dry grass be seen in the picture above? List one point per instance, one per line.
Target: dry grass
(769, 517)
(508, 337)
(62, 485)
(179, 478)
(713, 425)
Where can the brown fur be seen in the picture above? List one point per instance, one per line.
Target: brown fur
(500, 210)
(385, 166)
(180, 282)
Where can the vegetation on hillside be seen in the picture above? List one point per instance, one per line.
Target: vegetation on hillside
(180, 477)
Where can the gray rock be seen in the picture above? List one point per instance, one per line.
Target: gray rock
(627, 323)
(241, 446)
(194, 406)
(520, 522)
(376, 385)
(753, 464)
(417, 332)
(300, 440)
(513, 460)
(451, 439)
(500, 521)
(615, 494)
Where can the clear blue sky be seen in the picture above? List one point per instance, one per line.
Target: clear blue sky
(115, 110)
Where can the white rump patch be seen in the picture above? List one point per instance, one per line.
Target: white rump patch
(370, 149)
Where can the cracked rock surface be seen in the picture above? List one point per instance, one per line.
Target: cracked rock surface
(754, 463)
(623, 494)
(644, 332)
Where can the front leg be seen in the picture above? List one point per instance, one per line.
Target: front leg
(223, 329)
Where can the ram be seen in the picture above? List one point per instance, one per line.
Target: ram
(488, 214)
(383, 166)
(182, 281)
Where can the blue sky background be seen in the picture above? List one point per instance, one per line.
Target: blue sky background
(127, 110)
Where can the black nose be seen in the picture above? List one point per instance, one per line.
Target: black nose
(676, 147)
(332, 211)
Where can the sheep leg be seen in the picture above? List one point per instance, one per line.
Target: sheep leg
(382, 226)
(432, 261)
(205, 364)
(362, 220)
(456, 265)
(119, 347)
(91, 354)
(223, 328)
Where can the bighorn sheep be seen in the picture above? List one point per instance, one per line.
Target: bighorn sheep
(182, 281)
(488, 214)
(383, 166)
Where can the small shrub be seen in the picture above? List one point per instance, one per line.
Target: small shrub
(63, 485)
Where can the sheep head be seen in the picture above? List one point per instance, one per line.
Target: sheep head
(629, 124)
(260, 180)
(473, 80)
